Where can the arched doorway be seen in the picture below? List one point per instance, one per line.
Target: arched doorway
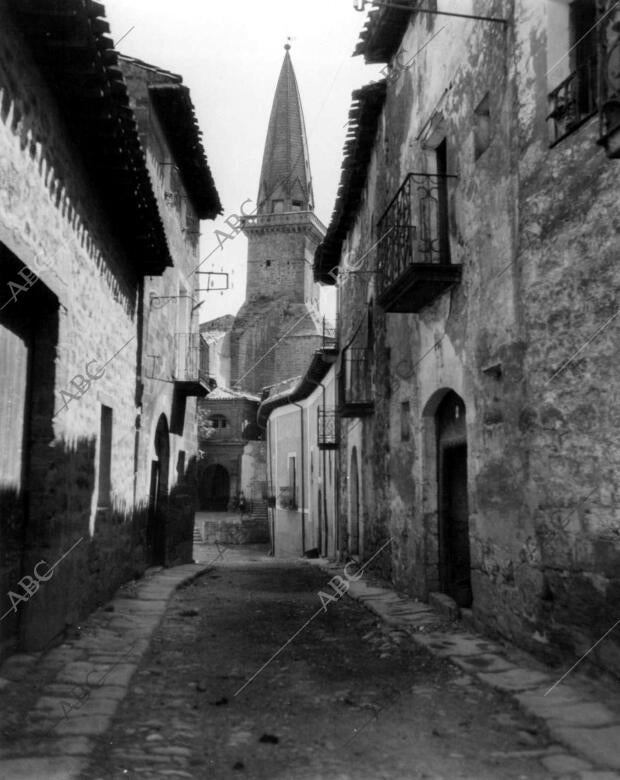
(158, 496)
(354, 506)
(452, 504)
(214, 489)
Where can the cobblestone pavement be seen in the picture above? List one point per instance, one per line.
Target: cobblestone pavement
(387, 690)
(347, 698)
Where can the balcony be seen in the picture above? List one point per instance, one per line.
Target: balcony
(355, 383)
(328, 438)
(329, 334)
(573, 101)
(414, 250)
(609, 64)
(189, 375)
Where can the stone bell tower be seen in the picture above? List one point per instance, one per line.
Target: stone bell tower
(278, 328)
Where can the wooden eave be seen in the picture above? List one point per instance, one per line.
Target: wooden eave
(366, 107)
(68, 42)
(383, 32)
(175, 110)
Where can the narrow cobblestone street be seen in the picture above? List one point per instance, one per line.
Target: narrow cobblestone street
(348, 698)
(229, 667)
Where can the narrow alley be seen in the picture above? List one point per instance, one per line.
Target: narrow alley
(309, 401)
(347, 698)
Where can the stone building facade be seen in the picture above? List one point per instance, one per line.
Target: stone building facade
(82, 227)
(475, 246)
(301, 435)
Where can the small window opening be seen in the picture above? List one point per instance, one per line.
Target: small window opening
(482, 127)
(405, 430)
(105, 457)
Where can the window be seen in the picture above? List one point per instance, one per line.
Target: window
(572, 64)
(181, 466)
(297, 205)
(441, 159)
(105, 457)
(405, 431)
(218, 421)
(277, 206)
(268, 263)
(482, 127)
(292, 480)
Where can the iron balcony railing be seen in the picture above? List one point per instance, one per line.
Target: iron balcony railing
(188, 366)
(574, 100)
(328, 429)
(609, 69)
(414, 227)
(329, 334)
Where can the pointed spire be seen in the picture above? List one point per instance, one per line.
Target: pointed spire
(285, 181)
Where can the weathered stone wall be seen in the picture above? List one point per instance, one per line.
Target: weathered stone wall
(569, 590)
(272, 340)
(53, 222)
(276, 266)
(85, 315)
(535, 229)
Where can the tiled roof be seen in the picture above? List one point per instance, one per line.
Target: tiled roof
(69, 42)
(226, 394)
(175, 110)
(384, 30)
(363, 120)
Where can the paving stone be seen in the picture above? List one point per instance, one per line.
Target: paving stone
(566, 708)
(599, 745)
(87, 725)
(481, 663)
(590, 714)
(463, 645)
(518, 679)
(563, 764)
(53, 768)
(598, 775)
(68, 706)
(83, 673)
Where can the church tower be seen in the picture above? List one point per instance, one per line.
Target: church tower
(278, 328)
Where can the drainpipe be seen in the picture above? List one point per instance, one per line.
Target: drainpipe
(303, 478)
(271, 510)
(324, 486)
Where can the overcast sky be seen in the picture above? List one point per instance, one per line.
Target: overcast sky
(230, 54)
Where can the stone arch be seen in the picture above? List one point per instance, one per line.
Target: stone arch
(445, 496)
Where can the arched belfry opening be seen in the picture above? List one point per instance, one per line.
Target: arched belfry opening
(446, 506)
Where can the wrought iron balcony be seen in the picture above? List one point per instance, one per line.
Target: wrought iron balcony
(573, 101)
(414, 249)
(328, 429)
(330, 337)
(355, 383)
(189, 379)
(609, 80)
